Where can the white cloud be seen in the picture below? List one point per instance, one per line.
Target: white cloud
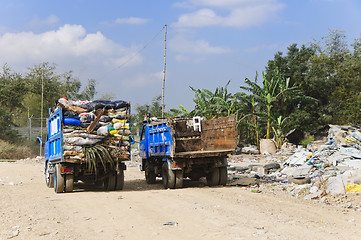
(68, 44)
(239, 13)
(194, 50)
(181, 44)
(144, 80)
(223, 3)
(131, 20)
(49, 21)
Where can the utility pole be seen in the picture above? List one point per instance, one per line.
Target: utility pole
(41, 111)
(165, 52)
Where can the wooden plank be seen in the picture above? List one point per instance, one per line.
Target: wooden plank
(219, 134)
(95, 122)
(184, 128)
(188, 145)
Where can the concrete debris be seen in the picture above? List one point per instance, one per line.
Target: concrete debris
(324, 169)
(251, 149)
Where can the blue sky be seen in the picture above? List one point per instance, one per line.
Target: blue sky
(120, 44)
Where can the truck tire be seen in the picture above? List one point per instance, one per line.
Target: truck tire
(120, 180)
(109, 183)
(150, 176)
(168, 177)
(59, 180)
(213, 177)
(178, 178)
(49, 177)
(223, 176)
(69, 182)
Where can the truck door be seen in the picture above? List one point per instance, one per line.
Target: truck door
(143, 143)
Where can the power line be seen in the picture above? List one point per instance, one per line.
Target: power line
(135, 54)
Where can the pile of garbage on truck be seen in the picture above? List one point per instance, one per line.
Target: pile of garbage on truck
(93, 123)
(325, 168)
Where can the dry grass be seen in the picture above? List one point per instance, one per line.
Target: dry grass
(15, 151)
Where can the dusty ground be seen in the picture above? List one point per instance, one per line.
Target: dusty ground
(30, 210)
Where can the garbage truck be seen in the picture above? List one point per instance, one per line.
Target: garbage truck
(87, 141)
(179, 148)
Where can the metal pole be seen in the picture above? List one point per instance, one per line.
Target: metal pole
(41, 112)
(29, 126)
(165, 52)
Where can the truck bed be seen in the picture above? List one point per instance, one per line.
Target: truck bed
(216, 138)
(199, 154)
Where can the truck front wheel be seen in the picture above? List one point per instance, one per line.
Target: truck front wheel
(59, 181)
(168, 176)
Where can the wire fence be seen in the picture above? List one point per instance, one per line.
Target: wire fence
(30, 128)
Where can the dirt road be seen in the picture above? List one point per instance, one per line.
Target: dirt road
(30, 210)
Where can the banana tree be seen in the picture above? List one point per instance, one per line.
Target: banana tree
(268, 95)
(278, 129)
(210, 104)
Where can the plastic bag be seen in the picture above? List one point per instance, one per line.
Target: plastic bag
(124, 132)
(71, 121)
(113, 132)
(103, 131)
(72, 148)
(107, 104)
(81, 141)
(353, 187)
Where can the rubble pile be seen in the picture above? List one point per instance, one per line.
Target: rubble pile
(323, 170)
(89, 123)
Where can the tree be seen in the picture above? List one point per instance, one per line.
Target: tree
(270, 98)
(12, 89)
(89, 91)
(219, 103)
(12, 92)
(154, 109)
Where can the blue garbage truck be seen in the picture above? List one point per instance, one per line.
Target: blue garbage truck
(89, 142)
(180, 148)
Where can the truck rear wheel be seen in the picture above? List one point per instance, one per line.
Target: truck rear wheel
(69, 182)
(168, 177)
(213, 177)
(150, 176)
(178, 178)
(120, 180)
(223, 176)
(59, 180)
(109, 183)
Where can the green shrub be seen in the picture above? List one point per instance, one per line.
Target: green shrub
(307, 140)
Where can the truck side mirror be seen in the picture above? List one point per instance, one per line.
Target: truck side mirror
(131, 140)
(40, 142)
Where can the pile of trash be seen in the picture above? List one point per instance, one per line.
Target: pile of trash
(89, 123)
(325, 168)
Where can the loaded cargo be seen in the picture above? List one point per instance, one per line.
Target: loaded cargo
(87, 141)
(175, 149)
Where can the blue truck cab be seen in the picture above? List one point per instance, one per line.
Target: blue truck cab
(178, 148)
(156, 140)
